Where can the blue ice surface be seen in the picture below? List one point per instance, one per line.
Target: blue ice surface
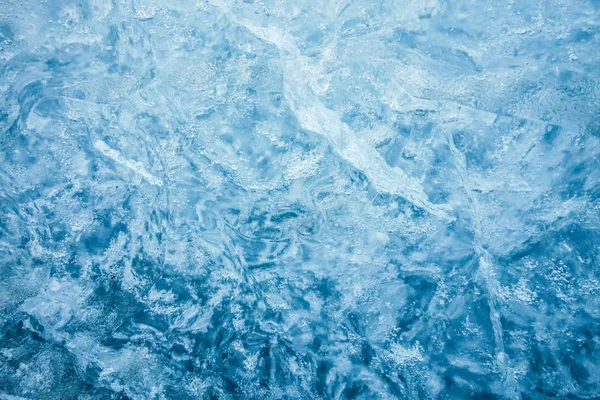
(293, 199)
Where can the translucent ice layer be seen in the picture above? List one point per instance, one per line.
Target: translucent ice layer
(292, 199)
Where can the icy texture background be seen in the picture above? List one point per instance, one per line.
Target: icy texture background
(296, 199)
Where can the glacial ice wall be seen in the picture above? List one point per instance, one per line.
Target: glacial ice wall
(292, 199)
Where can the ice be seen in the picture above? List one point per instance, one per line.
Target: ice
(268, 199)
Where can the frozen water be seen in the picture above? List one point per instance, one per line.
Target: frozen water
(291, 199)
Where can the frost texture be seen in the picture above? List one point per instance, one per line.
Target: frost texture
(299, 200)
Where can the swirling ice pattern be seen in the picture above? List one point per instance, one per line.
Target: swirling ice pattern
(290, 199)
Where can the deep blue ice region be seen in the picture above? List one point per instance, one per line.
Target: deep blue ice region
(294, 199)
